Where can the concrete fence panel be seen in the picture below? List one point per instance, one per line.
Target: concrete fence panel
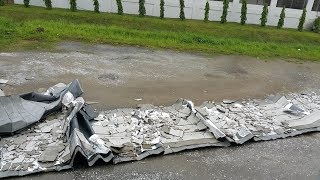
(194, 9)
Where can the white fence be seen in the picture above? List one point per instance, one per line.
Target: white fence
(194, 9)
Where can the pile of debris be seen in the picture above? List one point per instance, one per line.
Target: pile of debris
(130, 134)
(133, 134)
(276, 117)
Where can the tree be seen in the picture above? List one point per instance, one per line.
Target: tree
(316, 25)
(48, 4)
(224, 11)
(120, 9)
(96, 6)
(264, 15)
(161, 9)
(182, 16)
(302, 19)
(243, 12)
(142, 9)
(26, 3)
(282, 16)
(1, 2)
(73, 5)
(206, 12)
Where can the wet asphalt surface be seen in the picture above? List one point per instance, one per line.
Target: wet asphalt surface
(116, 76)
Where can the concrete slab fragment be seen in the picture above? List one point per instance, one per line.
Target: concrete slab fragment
(4, 81)
(1, 93)
(50, 154)
(216, 131)
(6, 167)
(19, 140)
(119, 141)
(19, 159)
(242, 135)
(228, 101)
(310, 121)
(201, 111)
(30, 146)
(176, 132)
(46, 129)
(282, 101)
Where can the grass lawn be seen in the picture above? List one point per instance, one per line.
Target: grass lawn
(18, 31)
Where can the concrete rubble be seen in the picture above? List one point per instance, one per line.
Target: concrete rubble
(3, 81)
(1, 93)
(130, 134)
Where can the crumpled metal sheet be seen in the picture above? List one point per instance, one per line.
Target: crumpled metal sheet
(82, 138)
(20, 111)
(52, 144)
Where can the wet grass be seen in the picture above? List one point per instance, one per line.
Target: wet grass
(18, 30)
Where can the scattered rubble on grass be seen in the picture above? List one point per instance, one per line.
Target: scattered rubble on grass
(130, 134)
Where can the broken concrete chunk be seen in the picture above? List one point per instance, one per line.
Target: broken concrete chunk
(12, 147)
(201, 126)
(100, 117)
(25, 166)
(171, 131)
(294, 109)
(201, 111)
(242, 135)
(14, 166)
(185, 111)
(282, 101)
(19, 159)
(213, 118)
(228, 101)
(309, 121)
(119, 141)
(216, 131)
(6, 167)
(3, 81)
(250, 127)
(19, 140)
(165, 129)
(101, 129)
(176, 132)
(278, 130)
(182, 122)
(220, 124)
(46, 129)
(66, 156)
(273, 98)
(221, 109)
(234, 109)
(51, 153)
(30, 146)
(1, 93)
(192, 119)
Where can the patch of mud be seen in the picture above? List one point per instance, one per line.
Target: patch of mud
(109, 76)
